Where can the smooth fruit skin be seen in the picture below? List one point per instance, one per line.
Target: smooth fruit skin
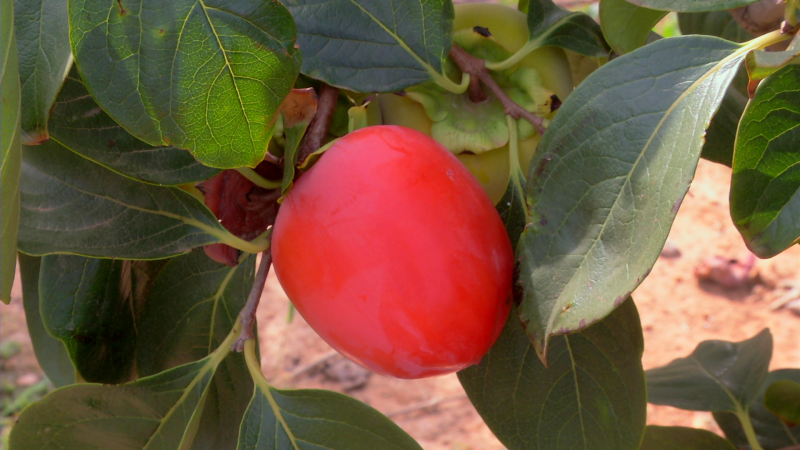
(394, 255)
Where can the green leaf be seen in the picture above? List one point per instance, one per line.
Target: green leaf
(761, 63)
(311, 418)
(611, 174)
(765, 188)
(771, 432)
(10, 151)
(682, 438)
(721, 133)
(80, 125)
(717, 376)
(50, 352)
(592, 395)
(783, 399)
(692, 5)
(71, 205)
(550, 24)
(625, 25)
(373, 45)
(44, 60)
(205, 75)
(192, 306)
(153, 413)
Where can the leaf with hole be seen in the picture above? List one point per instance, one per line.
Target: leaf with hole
(191, 307)
(717, 376)
(44, 60)
(591, 396)
(206, 75)
(611, 173)
(765, 188)
(373, 46)
(80, 125)
(625, 25)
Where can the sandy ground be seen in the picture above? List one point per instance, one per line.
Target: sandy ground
(677, 312)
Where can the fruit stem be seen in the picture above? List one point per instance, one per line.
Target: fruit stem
(257, 179)
(744, 417)
(318, 128)
(248, 314)
(517, 177)
(477, 68)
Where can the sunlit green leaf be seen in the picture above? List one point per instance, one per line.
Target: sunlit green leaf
(692, 5)
(717, 376)
(592, 396)
(80, 125)
(190, 310)
(682, 438)
(44, 60)
(50, 352)
(375, 45)
(613, 169)
(204, 75)
(765, 189)
(72, 205)
(625, 25)
(10, 150)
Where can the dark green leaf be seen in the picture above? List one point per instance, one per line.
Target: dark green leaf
(80, 125)
(50, 352)
(204, 75)
(154, 413)
(44, 60)
(550, 24)
(783, 399)
(592, 396)
(625, 25)
(717, 376)
(692, 5)
(512, 210)
(72, 205)
(10, 150)
(765, 189)
(771, 432)
(761, 63)
(190, 310)
(89, 305)
(611, 174)
(721, 133)
(375, 45)
(682, 438)
(310, 419)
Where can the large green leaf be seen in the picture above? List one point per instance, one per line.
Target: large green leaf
(91, 305)
(80, 125)
(44, 60)
(692, 5)
(592, 395)
(50, 352)
(10, 151)
(682, 438)
(373, 45)
(765, 189)
(313, 419)
(204, 75)
(717, 376)
(611, 174)
(771, 432)
(71, 205)
(721, 133)
(192, 306)
(153, 413)
(625, 25)
(550, 24)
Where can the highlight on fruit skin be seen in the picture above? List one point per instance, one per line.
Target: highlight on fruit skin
(395, 255)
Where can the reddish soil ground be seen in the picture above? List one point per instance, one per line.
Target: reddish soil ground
(677, 312)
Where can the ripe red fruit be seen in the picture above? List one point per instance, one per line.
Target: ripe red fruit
(395, 255)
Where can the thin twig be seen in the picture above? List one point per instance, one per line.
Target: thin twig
(476, 67)
(248, 313)
(318, 128)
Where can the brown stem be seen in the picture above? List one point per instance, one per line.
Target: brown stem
(248, 313)
(318, 128)
(477, 69)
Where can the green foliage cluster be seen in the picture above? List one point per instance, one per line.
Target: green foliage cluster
(112, 108)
